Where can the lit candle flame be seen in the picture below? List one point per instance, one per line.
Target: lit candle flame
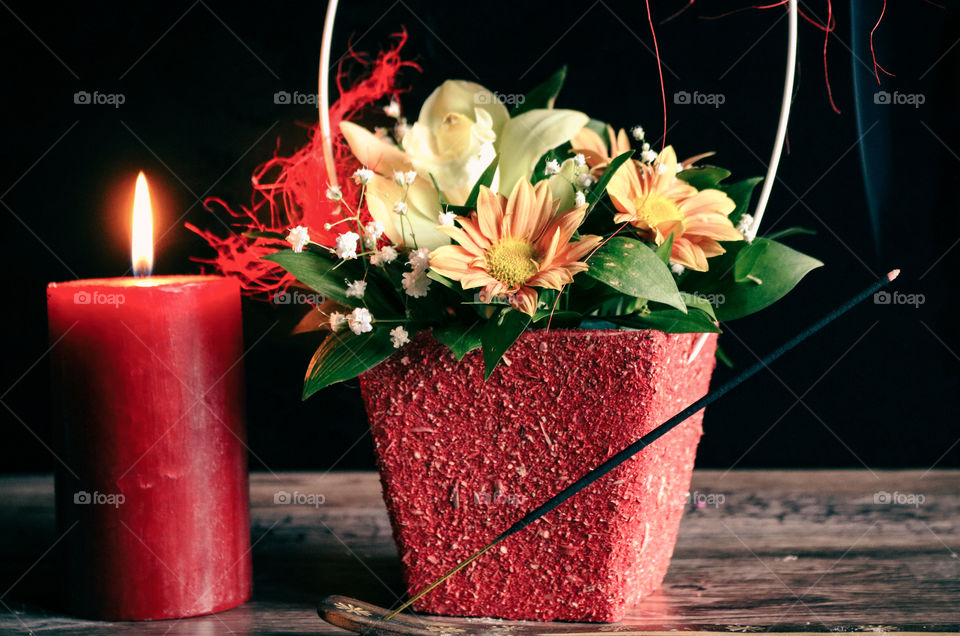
(141, 245)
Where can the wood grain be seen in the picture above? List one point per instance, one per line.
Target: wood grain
(786, 551)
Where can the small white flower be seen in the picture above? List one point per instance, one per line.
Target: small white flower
(638, 133)
(334, 193)
(419, 259)
(372, 232)
(416, 283)
(679, 168)
(392, 109)
(336, 320)
(387, 254)
(362, 176)
(649, 156)
(356, 288)
(552, 167)
(400, 130)
(409, 177)
(676, 268)
(645, 147)
(398, 177)
(579, 199)
(400, 208)
(585, 180)
(745, 224)
(346, 246)
(298, 237)
(661, 168)
(399, 337)
(579, 161)
(447, 218)
(360, 320)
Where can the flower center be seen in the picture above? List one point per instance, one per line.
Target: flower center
(655, 209)
(511, 262)
(454, 135)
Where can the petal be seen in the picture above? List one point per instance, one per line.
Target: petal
(375, 153)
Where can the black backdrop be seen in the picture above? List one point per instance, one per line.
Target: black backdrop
(198, 82)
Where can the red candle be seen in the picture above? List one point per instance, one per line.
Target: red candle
(152, 493)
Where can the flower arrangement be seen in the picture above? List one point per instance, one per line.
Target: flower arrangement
(478, 222)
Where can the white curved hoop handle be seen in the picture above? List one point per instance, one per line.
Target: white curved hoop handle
(781, 126)
(324, 103)
(324, 92)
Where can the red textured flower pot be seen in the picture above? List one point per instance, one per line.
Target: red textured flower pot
(462, 459)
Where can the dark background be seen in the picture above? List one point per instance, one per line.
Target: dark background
(877, 389)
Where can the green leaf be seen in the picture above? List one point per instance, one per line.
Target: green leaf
(665, 249)
(486, 179)
(460, 339)
(697, 301)
(632, 268)
(704, 177)
(601, 186)
(740, 192)
(544, 95)
(560, 320)
(498, 334)
(314, 271)
(343, 356)
(669, 321)
(790, 231)
(724, 358)
(764, 272)
(255, 234)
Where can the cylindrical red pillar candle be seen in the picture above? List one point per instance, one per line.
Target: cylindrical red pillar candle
(152, 494)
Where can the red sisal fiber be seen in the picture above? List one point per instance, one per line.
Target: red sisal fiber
(290, 191)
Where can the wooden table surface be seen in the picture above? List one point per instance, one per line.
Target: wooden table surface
(770, 551)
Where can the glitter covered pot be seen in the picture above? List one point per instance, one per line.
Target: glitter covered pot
(462, 459)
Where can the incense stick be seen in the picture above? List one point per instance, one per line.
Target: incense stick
(654, 435)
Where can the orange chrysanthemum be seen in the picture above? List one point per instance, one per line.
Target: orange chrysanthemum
(654, 201)
(594, 148)
(511, 245)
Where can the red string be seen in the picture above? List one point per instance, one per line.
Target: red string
(663, 91)
(826, 40)
(873, 53)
